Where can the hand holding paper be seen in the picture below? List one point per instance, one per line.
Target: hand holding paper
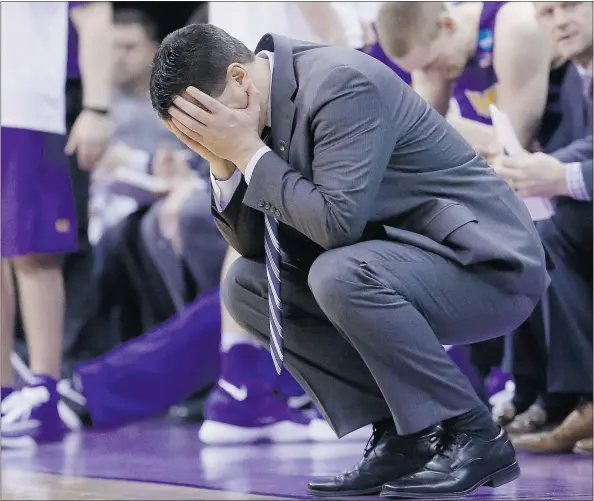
(533, 176)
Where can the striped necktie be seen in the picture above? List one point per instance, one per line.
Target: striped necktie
(273, 265)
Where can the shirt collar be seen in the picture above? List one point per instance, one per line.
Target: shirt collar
(585, 71)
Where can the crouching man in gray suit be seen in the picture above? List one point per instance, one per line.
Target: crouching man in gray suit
(371, 234)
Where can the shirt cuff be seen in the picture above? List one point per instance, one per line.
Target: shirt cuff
(223, 190)
(249, 170)
(576, 185)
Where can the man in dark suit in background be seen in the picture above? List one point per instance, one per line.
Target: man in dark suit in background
(387, 234)
(562, 323)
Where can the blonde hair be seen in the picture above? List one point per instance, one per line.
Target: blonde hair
(402, 25)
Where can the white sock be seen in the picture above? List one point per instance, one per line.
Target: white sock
(231, 338)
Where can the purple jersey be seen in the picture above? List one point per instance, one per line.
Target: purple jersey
(377, 52)
(474, 89)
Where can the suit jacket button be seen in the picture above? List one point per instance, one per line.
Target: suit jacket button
(278, 213)
(260, 204)
(266, 206)
(282, 145)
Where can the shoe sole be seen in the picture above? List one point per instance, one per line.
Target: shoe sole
(215, 433)
(334, 494)
(582, 452)
(498, 478)
(18, 443)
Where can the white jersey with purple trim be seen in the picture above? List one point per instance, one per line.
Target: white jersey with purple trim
(34, 43)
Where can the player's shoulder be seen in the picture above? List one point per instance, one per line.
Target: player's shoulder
(517, 19)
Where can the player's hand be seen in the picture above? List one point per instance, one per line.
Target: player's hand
(170, 164)
(116, 155)
(169, 211)
(230, 134)
(89, 138)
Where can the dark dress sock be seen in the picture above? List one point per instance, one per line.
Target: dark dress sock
(477, 423)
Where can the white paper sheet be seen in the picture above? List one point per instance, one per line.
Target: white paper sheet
(539, 208)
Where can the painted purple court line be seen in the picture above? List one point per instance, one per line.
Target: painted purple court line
(168, 453)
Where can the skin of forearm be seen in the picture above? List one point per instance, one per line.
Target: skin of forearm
(324, 21)
(480, 136)
(94, 23)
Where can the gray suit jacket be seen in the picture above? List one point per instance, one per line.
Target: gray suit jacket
(358, 155)
(572, 142)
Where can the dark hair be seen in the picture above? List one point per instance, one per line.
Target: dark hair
(135, 16)
(197, 55)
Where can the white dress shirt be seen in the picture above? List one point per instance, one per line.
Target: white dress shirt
(223, 190)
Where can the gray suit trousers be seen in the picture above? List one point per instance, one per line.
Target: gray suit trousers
(364, 328)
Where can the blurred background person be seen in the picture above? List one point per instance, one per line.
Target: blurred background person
(465, 56)
(552, 355)
(38, 213)
(480, 53)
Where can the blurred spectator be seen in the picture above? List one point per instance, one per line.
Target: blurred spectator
(135, 44)
(552, 354)
(478, 52)
(137, 233)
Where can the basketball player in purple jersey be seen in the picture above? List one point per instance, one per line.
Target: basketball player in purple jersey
(479, 53)
(38, 214)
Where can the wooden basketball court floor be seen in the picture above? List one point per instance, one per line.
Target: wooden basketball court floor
(163, 460)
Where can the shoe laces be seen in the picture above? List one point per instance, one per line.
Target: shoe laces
(19, 404)
(446, 446)
(374, 439)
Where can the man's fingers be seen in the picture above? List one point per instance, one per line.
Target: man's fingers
(509, 174)
(192, 110)
(194, 136)
(70, 145)
(186, 120)
(208, 102)
(253, 96)
(509, 162)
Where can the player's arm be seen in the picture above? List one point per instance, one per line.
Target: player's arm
(433, 89)
(326, 22)
(94, 24)
(522, 61)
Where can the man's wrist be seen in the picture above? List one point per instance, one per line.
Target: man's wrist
(560, 187)
(245, 154)
(223, 170)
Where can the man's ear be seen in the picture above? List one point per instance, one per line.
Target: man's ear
(236, 73)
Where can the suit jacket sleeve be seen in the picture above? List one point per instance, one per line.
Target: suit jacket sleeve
(579, 151)
(240, 225)
(353, 136)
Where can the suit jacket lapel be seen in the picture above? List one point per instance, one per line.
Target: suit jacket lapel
(284, 87)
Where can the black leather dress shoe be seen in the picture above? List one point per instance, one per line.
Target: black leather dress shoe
(387, 457)
(462, 465)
